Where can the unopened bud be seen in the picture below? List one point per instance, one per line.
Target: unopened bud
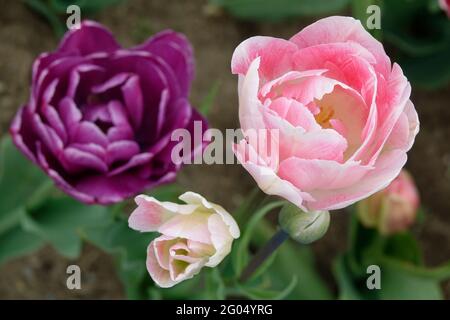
(393, 209)
(303, 227)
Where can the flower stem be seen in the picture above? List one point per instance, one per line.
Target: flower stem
(270, 247)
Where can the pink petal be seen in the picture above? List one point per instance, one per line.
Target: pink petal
(343, 29)
(193, 227)
(249, 105)
(385, 170)
(311, 175)
(150, 214)
(267, 179)
(159, 275)
(275, 55)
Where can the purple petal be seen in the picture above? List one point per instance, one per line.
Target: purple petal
(122, 150)
(97, 112)
(117, 113)
(111, 189)
(75, 76)
(54, 120)
(42, 62)
(69, 112)
(18, 135)
(134, 101)
(175, 49)
(58, 69)
(112, 82)
(60, 181)
(49, 93)
(137, 160)
(93, 148)
(47, 135)
(120, 133)
(162, 111)
(87, 132)
(90, 38)
(75, 160)
(177, 115)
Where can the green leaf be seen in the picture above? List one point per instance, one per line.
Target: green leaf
(20, 182)
(422, 37)
(403, 246)
(429, 72)
(263, 293)
(208, 101)
(168, 192)
(400, 19)
(55, 11)
(61, 220)
(399, 259)
(214, 286)
(275, 10)
(16, 242)
(345, 280)
(399, 283)
(47, 13)
(241, 253)
(440, 273)
(130, 250)
(365, 245)
(293, 259)
(87, 6)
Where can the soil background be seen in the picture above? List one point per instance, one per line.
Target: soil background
(23, 35)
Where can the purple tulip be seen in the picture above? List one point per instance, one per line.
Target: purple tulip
(100, 117)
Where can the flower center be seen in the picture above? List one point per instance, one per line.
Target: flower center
(324, 116)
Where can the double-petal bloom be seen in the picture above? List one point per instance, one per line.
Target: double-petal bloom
(341, 113)
(194, 235)
(100, 117)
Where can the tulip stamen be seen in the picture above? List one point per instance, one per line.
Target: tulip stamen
(324, 116)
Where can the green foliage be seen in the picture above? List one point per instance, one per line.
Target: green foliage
(208, 101)
(421, 33)
(359, 11)
(403, 275)
(292, 260)
(20, 181)
(60, 221)
(54, 11)
(241, 252)
(276, 10)
(21, 186)
(16, 242)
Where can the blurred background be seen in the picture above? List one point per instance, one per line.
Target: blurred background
(420, 43)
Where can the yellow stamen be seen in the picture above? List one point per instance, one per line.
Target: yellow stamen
(324, 116)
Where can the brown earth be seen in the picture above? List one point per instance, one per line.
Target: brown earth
(23, 35)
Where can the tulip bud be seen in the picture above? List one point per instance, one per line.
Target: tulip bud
(393, 209)
(303, 227)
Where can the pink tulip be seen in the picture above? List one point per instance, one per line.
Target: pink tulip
(340, 110)
(393, 209)
(445, 5)
(194, 235)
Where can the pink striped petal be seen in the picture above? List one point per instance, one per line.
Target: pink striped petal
(275, 56)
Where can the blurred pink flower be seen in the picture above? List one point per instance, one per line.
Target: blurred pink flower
(393, 209)
(194, 235)
(445, 5)
(341, 111)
